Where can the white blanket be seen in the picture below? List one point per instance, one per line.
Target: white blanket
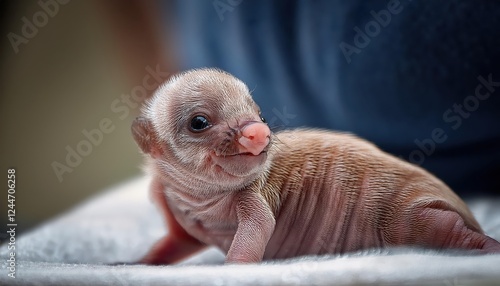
(78, 247)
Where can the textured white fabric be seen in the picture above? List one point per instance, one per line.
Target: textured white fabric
(121, 225)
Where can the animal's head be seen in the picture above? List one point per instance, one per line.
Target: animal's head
(204, 124)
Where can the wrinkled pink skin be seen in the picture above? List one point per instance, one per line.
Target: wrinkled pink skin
(333, 193)
(215, 219)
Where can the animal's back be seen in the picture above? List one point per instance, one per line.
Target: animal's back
(333, 192)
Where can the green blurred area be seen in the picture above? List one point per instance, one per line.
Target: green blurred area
(60, 83)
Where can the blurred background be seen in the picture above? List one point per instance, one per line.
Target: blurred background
(62, 81)
(403, 74)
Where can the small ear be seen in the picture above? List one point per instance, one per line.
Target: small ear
(145, 136)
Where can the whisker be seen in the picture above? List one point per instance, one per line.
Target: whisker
(231, 128)
(225, 151)
(277, 128)
(252, 89)
(275, 140)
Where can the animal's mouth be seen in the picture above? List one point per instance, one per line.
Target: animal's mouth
(239, 164)
(240, 152)
(244, 154)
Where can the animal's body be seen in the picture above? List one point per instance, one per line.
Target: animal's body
(221, 178)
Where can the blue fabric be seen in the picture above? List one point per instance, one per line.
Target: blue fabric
(396, 85)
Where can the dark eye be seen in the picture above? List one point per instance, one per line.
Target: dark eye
(199, 123)
(262, 118)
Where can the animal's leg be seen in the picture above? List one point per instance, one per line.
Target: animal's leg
(178, 244)
(255, 227)
(447, 229)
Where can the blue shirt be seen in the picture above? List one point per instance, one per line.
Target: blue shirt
(421, 79)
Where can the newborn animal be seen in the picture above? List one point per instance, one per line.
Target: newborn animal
(222, 178)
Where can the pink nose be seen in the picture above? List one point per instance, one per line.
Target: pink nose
(254, 138)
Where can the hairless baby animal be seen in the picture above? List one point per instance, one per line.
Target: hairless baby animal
(222, 178)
